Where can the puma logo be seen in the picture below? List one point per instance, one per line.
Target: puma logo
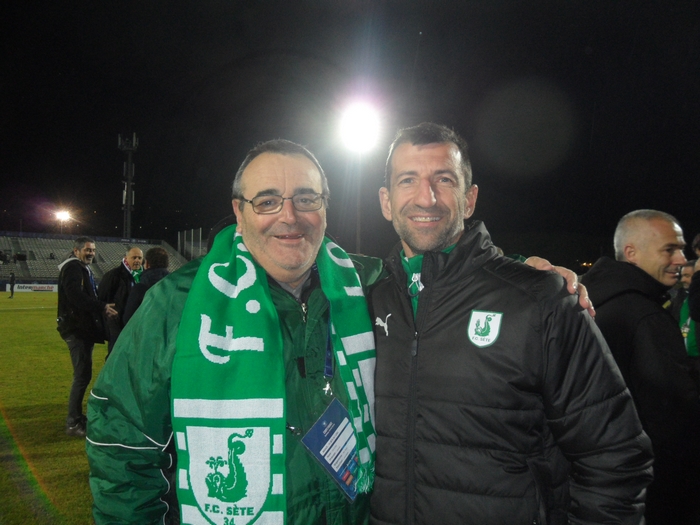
(384, 324)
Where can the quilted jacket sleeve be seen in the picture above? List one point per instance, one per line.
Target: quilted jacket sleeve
(129, 439)
(593, 418)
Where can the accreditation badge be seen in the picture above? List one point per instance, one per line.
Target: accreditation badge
(331, 440)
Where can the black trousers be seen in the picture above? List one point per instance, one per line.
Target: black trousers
(81, 357)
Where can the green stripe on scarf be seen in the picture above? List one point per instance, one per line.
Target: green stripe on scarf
(228, 387)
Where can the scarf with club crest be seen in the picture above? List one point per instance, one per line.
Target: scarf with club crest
(228, 384)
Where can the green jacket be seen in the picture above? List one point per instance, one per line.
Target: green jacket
(130, 441)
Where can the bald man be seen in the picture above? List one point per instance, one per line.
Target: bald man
(115, 288)
(648, 347)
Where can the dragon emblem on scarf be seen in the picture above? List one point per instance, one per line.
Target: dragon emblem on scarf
(232, 487)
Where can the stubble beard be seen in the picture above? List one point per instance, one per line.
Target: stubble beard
(420, 244)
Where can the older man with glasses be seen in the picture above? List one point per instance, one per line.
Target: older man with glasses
(214, 399)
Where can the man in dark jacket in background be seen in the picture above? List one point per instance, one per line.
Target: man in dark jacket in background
(675, 304)
(497, 400)
(115, 287)
(687, 323)
(648, 347)
(156, 267)
(80, 325)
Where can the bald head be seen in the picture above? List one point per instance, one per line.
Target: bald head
(632, 228)
(653, 241)
(134, 258)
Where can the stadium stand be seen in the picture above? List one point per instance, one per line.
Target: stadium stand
(35, 263)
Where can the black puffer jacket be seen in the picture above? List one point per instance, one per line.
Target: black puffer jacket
(530, 423)
(648, 347)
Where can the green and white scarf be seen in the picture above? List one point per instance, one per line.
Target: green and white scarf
(228, 384)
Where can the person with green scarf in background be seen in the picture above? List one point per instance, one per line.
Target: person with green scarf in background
(115, 287)
(687, 323)
(242, 390)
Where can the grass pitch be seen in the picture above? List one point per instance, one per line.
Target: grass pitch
(43, 472)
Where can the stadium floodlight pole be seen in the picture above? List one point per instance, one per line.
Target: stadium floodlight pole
(128, 145)
(62, 216)
(359, 129)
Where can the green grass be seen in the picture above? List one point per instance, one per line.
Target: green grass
(43, 472)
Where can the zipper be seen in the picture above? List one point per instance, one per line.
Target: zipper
(419, 322)
(304, 312)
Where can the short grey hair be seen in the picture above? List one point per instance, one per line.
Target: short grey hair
(280, 147)
(80, 242)
(625, 227)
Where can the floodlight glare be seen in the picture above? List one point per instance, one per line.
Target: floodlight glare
(63, 216)
(359, 127)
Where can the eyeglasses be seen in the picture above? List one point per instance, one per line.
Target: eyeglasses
(267, 204)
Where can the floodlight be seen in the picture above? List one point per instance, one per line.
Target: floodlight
(359, 127)
(62, 216)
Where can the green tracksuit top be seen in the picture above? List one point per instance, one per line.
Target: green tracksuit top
(130, 446)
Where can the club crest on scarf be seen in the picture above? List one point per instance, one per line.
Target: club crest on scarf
(230, 474)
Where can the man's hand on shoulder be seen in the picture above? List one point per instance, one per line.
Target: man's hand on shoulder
(572, 283)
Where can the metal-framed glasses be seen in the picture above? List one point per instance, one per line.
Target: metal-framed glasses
(267, 204)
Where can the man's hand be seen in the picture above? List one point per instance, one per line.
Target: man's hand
(110, 311)
(572, 283)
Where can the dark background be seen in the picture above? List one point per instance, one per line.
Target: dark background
(576, 111)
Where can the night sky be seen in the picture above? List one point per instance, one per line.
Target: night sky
(576, 112)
